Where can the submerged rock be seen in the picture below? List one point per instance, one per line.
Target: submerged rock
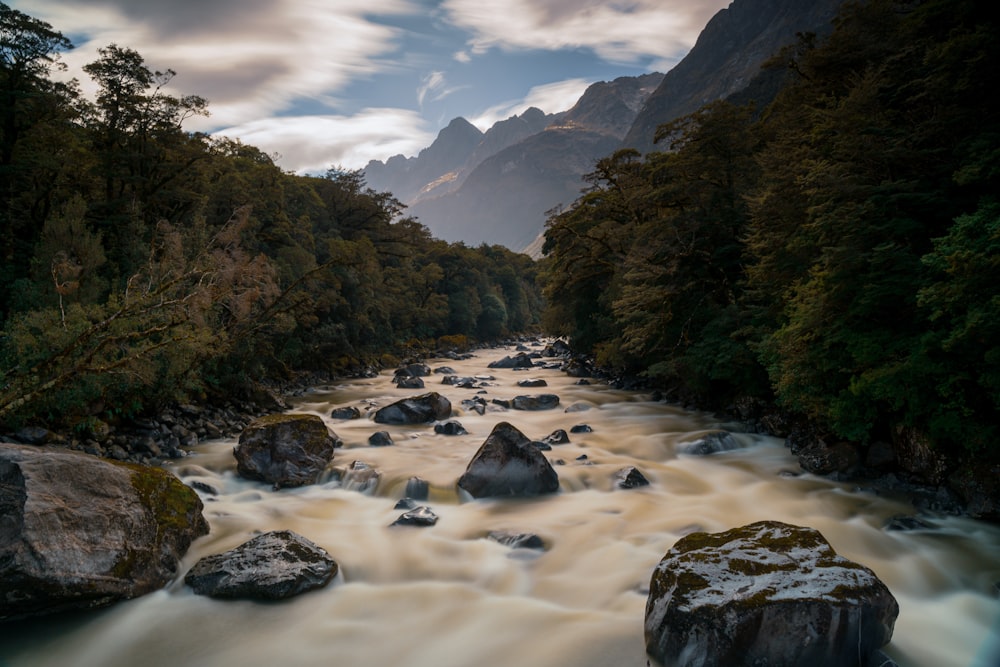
(422, 409)
(285, 449)
(417, 488)
(532, 382)
(508, 464)
(361, 477)
(765, 594)
(516, 540)
(77, 531)
(710, 443)
(272, 566)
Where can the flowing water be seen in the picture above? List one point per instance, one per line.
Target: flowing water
(445, 596)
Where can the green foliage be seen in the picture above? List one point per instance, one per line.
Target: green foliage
(141, 264)
(838, 253)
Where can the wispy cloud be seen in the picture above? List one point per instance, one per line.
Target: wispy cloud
(550, 98)
(311, 144)
(619, 31)
(249, 58)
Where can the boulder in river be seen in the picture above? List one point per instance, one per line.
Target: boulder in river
(765, 594)
(285, 449)
(520, 360)
(409, 382)
(535, 402)
(380, 439)
(413, 370)
(422, 409)
(630, 478)
(532, 382)
(450, 428)
(77, 531)
(272, 566)
(508, 464)
(421, 517)
(349, 412)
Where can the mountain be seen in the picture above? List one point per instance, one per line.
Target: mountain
(726, 57)
(406, 177)
(504, 199)
(496, 187)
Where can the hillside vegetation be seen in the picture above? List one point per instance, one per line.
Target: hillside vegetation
(837, 251)
(142, 265)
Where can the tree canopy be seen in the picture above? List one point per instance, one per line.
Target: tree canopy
(143, 264)
(832, 251)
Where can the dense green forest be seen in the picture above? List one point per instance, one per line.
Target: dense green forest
(142, 264)
(836, 251)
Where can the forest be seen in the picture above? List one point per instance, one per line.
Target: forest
(833, 251)
(142, 265)
(836, 251)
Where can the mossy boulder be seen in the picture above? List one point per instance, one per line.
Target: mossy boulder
(422, 409)
(285, 449)
(765, 594)
(77, 531)
(272, 566)
(508, 464)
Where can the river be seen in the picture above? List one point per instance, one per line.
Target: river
(445, 596)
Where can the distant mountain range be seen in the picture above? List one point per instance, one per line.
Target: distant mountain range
(496, 187)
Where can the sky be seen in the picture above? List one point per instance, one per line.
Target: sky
(336, 83)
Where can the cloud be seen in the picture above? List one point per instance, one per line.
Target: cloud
(312, 144)
(432, 82)
(249, 58)
(619, 31)
(550, 98)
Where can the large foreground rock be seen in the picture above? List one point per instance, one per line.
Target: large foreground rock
(508, 464)
(421, 409)
(77, 531)
(272, 566)
(285, 450)
(765, 594)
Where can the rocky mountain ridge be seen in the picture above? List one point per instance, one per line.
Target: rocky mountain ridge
(497, 187)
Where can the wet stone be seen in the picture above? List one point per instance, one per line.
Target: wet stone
(421, 517)
(346, 413)
(417, 488)
(380, 439)
(450, 428)
(557, 437)
(630, 478)
(272, 566)
(581, 428)
(517, 540)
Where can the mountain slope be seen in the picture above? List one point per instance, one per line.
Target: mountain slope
(515, 172)
(504, 199)
(726, 57)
